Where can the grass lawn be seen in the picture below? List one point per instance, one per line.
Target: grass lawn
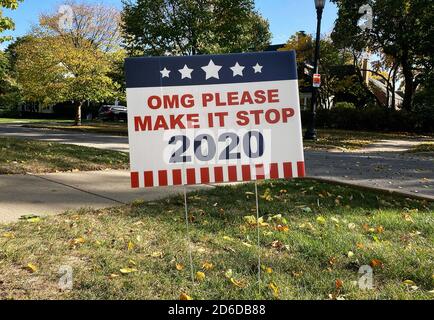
(18, 156)
(351, 140)
(314, 239)
(114, 128)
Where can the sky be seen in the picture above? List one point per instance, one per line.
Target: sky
(285, 16)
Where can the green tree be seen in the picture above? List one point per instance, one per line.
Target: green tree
(185, 27)
(5, 22)
(338, 77)
(52, 70)
(401, 30)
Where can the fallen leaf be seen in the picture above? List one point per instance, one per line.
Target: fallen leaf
(380, 229)
(351, 226)
(31, 218)
(409, 283)
(207, 266)
(128, 270)
(114, 276)
(282, 228)
(200, 276)
(274, 289)
(250, 220)
(339, 284)
(8, 235)
(157, 254)
(179, 267)
(30, 267)
(376, 263)
(78, 241)
(185, 297)
(238, 284)
(131, 246)
(321, 220)
(350, 254)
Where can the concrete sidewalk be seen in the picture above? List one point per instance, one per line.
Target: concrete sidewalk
(51, 194)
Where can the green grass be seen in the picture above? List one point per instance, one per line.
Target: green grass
(305, 253)
(19, 156)
(352, 140)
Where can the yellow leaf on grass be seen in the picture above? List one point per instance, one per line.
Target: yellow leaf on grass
(227, 238)
(77, 241)
(31, 268)
(282, 228)
(350, 254)
(321, 220)
(268, 270)
(409, 283)
(128, 270)
(237, 283)
(339, 284)
(274, 289)
(179, 267)
(207, 266)
(8, 235)
(250, 220)
(157, 254)
(185, 297)
(200, 276)
(131, 246)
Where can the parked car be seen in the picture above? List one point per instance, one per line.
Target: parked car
(113, 113)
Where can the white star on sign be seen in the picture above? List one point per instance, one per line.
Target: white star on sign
(165, 73)
(238, 70)
(212, 70)
(258, 68)
(186, 72)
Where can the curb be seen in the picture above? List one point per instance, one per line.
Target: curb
(375, 189)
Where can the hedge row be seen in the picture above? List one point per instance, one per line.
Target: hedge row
(373, 119)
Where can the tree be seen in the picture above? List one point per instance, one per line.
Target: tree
(52, 70)
(402, 30)
(5, 22)
(81, 58)
(185, 27)
(95, 24)
(338, 78)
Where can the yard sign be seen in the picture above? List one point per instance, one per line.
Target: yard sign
(213, 119)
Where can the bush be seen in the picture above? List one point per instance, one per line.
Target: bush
(374, 119)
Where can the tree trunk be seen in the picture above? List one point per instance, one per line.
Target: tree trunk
(409, 85)
(78, 114)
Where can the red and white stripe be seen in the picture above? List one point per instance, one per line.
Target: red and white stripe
(218, 174)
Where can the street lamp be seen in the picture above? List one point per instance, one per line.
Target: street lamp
(311, 132)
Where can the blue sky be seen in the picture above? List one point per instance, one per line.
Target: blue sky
(285, 16)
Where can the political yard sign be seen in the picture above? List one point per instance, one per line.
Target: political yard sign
(213, 118)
